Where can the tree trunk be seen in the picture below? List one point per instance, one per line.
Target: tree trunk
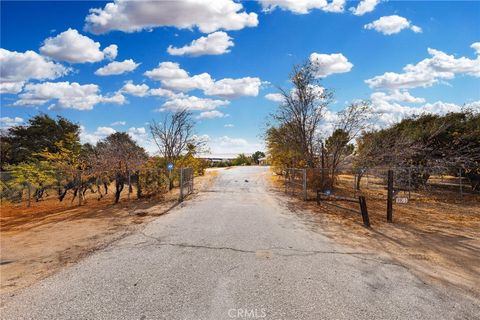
(359, 179)
(139, 185)
(119, 184)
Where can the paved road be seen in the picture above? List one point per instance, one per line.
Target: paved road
(234, 252)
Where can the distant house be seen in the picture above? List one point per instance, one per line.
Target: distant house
(263, 161)
(217, 158)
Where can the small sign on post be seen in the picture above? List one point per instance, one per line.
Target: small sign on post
(170, 169)
(402, 200)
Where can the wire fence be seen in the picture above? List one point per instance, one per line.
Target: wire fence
(384, 190)
(186, 182)
(414, 182)
(59, 189)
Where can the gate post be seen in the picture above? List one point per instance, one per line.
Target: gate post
(364, 211)
(390, 196)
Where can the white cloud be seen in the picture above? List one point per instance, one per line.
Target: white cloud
(227, 141)
(389, 25)
(131, 16)
(73, 47)
(231, 147)
(18, 67)
(118, 123)
(117, 67)
(11, 87)
(139, 90)
(111, 51)
(327, 64)
(139, 135)
(303, 6)
(229, 125)
(116, 98)
(328, 123)
(364, 6)
(7, 122)
(277, 97)
(192, 103)
(234, 88)
(165, 71)
(200, 81)
(65, 95)
(389, 112)
(93, 137)
(396, 95)
(416, 29)
(161, 92)
(476, 46)
(175, 78)
(214, 44)
(427, 72)
(144, 139)
(211, 114)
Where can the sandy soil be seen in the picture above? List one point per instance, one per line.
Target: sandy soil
(37, 242)
(437, 238)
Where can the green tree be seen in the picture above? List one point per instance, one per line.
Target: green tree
(337, 148)
(35, 176)
(24, 143)
(257, 155)
(241, 160)
(451, 140)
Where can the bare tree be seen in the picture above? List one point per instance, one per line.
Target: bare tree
(301, 111)
(175, 135)
(351, 122)
(119, 155)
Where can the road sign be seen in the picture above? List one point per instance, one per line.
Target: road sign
(401, 200)
(170, 166)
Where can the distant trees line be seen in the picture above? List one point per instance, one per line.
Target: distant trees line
(47, 153)
(294, 136)
(241, 160)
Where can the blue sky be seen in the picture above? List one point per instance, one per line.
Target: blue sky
(361, 55)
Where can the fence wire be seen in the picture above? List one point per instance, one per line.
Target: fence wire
(186, 182)
(66, 189)
(414, 182)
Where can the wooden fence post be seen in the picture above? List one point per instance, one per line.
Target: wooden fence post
(364, 211)
(390, 196)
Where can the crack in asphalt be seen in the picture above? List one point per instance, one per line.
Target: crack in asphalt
(273, 250)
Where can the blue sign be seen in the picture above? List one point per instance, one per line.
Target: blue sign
(328, 192)
(170, 166)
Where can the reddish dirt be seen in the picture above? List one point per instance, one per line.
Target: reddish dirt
(40, 240)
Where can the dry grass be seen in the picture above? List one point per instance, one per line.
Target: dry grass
(437, 237)
(38, 241)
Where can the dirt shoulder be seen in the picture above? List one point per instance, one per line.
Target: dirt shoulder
(438, 241)
(36, 245)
